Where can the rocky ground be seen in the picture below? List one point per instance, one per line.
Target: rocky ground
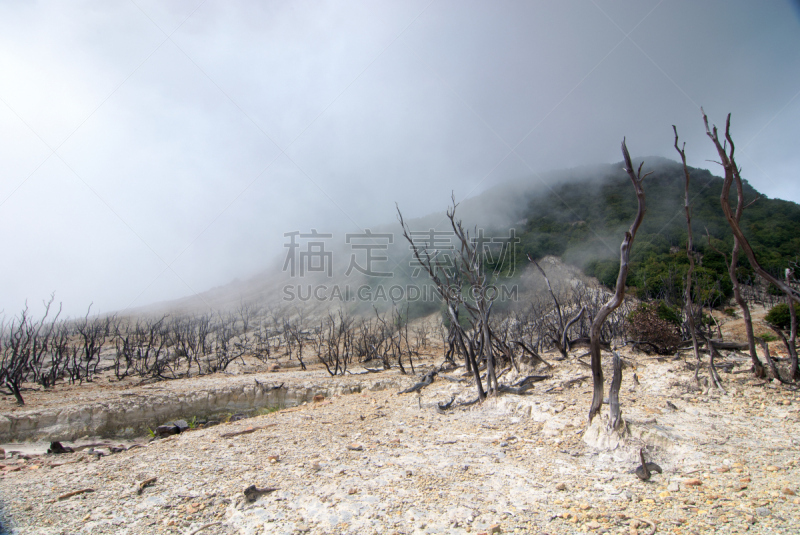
(383, 462)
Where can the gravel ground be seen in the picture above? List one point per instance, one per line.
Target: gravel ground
(381, 462)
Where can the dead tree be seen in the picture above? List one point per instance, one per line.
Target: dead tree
(334, 342)
(758, 368)
(619, 293)
(449, 286)
(732, 175)
(93, 335)
(560, 337)
(23, 347)
(687, 295)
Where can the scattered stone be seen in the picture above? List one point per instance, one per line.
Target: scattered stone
(318, 398)
(167, 430)
(273, 458)
(561, 486)
(692, 482)
(252, 493)
(182, 425)
(57, 449)
(355, 447)
(495, 528)
(763, 511)
(787, 491)
(147, 482)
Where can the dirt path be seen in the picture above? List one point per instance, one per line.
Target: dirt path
(379, 462)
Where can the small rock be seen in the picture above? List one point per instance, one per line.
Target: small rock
(355, 447)
(750, 519)
(273, 458)
(585, 506)
(166, 430)
(664, 494)
(318, 398)
(763, 511)
(561, 486)
(787, 491)
(273, 367)
(315, 466)
(771, 468)
(692, 482)
(495, 528)
(673, 487)
(237, 417)
(353, 491)
(56, 448)
(594, 524)
(181, 425)
(252, 493)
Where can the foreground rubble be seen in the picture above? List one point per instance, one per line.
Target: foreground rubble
(381, 462)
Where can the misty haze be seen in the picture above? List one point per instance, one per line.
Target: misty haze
(400, 267)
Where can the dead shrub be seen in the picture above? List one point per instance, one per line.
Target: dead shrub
(651, 331)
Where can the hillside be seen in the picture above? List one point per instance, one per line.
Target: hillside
(578, 214)
(582, 220)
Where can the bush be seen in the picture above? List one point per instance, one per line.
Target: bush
(779, 315)
(655, 325)
(669, 313)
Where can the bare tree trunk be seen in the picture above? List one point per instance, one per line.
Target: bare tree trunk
(732, 174)
(758, 368)
(690, 253)
(615, 413)
(619, 293)
(776, 374)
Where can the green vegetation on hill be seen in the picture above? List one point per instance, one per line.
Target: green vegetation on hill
(583, 221)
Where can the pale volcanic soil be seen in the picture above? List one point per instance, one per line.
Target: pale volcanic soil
(382, 462)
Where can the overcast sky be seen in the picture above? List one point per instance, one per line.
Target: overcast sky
(150, 150)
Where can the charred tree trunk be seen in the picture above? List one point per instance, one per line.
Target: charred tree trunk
(619, 293)
(689, 253)
(614, 411)
(732, 174)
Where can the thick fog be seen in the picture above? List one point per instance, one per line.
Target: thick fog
(153, 150)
